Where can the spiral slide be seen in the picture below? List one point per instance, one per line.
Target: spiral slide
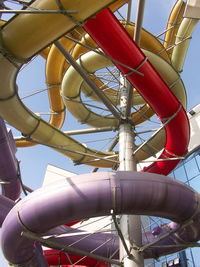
(91, 195)
(97, 194)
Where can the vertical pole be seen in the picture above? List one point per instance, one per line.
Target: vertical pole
(139, 20)
(128, 17)
(130, 224)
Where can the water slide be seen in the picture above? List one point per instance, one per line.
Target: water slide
(173, 25)
(94, 189)
(148, 41)
(97, 194)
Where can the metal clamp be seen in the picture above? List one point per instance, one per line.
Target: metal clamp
(136, 70)
(66, 14)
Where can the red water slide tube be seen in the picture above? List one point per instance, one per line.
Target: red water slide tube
(55, 257)
(106, 30)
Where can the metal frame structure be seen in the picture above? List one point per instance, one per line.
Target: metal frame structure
(126, 152)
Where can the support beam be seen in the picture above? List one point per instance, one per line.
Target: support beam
(91, 130)
(139, 21)
(137, 37)
(52, 244)
(130, 225)
(128, 17)
(39, 11)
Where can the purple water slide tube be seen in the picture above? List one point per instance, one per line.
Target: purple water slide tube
(6, 205)
(9, 167)
(96, 194)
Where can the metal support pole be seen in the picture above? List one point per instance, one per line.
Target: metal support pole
(130, 224)
(136, 38)
(128, 17)
(52, 244)
(139, 20)
(39, 11)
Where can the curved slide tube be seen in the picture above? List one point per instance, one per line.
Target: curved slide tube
(17, 114)
(52, 257)
(178, 36)
(173, 25)
(6, 205)
(20, 117)
(38, 25)
(9, 166)
(54, 72)
(104, 28)
(96, 194)
(182, 40)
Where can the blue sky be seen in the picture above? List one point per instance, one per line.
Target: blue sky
(34, 160)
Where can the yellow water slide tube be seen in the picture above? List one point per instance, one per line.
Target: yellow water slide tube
(174, 22)
(34, 29)
(22, 38)
(178, 35)
(2, 22)
(182, 40)
(55, 68)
